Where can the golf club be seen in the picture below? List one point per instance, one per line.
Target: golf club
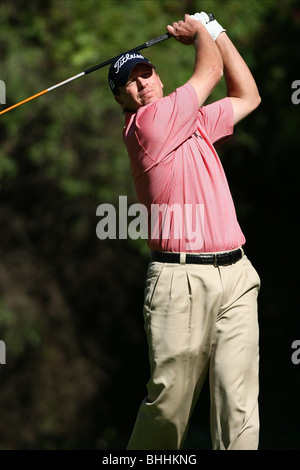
(147, 44)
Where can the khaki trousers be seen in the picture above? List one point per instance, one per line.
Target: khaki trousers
(200, 319)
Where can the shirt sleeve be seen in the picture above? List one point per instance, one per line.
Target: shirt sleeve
(218, 120)
(165, 124)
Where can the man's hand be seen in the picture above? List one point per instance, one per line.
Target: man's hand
(213, 27)
(185, 31)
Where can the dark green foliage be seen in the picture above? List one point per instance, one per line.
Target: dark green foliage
(70, 304)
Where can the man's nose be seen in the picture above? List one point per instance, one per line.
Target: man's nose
(141, 82)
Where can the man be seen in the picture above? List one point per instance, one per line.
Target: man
(200, 307)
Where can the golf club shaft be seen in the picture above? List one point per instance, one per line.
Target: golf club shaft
(147, 44)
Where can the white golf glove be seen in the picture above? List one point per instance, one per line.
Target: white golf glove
(213, 27)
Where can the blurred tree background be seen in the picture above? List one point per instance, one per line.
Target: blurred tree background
(70, 303)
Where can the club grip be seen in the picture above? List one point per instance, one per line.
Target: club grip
(158, 39)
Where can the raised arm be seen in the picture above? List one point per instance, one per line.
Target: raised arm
(208, 68)
(241, 86)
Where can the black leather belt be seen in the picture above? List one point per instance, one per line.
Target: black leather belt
(217, 259)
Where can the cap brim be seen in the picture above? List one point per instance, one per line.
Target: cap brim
(131, 69)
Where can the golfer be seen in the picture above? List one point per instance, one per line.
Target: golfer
(200, 307)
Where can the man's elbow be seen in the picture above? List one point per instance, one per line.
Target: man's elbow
(256, 101)
(217, 73)
(242, 107)
(253, 102)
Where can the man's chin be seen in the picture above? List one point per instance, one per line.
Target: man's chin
(149, 100)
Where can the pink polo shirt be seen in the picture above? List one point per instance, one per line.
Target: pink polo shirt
(178, 175)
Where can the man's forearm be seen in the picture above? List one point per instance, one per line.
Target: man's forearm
(208, 65)
(239, 80)
(241, 86)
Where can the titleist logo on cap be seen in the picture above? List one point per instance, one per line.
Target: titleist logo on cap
(124, 58)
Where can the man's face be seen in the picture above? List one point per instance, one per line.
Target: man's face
(143, 87)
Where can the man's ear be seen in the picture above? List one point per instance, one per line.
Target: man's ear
(161, 83)
(119, 100)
